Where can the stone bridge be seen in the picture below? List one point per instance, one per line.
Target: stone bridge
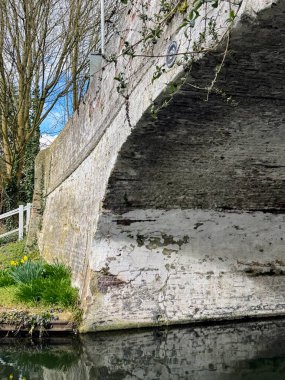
(180, 218)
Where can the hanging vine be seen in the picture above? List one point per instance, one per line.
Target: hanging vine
(149, 36)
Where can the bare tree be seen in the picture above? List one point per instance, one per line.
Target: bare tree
(44, 48)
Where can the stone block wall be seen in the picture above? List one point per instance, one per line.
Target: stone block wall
(181, 218)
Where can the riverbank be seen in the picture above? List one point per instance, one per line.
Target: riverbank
(31, 323)
(35, 297)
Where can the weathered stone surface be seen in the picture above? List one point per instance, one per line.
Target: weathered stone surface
(42, 166)
(179, 219)
(186, 265)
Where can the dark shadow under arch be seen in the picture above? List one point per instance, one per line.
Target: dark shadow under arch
(217, 154)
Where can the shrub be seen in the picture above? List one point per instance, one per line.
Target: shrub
(5, 278)
(26, 273)
(50, 291)
(59, 292)
(29, 292)
(37, 282)
(56, 270)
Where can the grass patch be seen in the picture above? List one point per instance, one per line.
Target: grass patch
(14, 251)
(5, 279)
(8, 298)
(28, 280)
(48, 291)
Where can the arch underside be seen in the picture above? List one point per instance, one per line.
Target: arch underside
(193, 219)
(215, 154)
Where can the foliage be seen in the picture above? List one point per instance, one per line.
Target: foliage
(44, 52)
(26, 186)
(15, 190)
(49, 284)
(26, 273)
(23, 319)
(56, 271)
(5, 278)
(31, 281)
(12, 238)
(153, 28)
(58, 291)
(49, 291)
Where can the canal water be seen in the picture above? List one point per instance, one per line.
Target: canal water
(254, 350)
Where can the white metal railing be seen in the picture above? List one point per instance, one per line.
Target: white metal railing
(22, 226)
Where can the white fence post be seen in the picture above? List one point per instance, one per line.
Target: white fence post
(22, 226)
(21, 222)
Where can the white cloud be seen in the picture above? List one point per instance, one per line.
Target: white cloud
(46, 140)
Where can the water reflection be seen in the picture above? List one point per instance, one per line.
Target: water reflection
(238, 351)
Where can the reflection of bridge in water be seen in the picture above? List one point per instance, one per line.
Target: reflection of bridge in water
(240, 351)
(180, 218)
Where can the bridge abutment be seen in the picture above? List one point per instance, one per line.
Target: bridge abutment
(154, 267)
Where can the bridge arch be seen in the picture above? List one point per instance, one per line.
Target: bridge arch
(197, 195)
(224, 153)
(178, 219)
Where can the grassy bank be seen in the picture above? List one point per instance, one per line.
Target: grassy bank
(30, 285)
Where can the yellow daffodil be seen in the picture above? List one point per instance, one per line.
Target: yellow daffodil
(22, 261)
(25, 258)
(11, 376)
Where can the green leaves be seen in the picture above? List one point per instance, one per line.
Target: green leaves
(50, 291)
(154, 34)
(175, 86)
(194, 13)
(215, 4)
(5, 278)
(232, 15)
(27, 272)
(39, 282)
(183, 7)
(153, 26)
(153, 111)
(159, 70)
(128, 49)
(165, 6)
(122, 82)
